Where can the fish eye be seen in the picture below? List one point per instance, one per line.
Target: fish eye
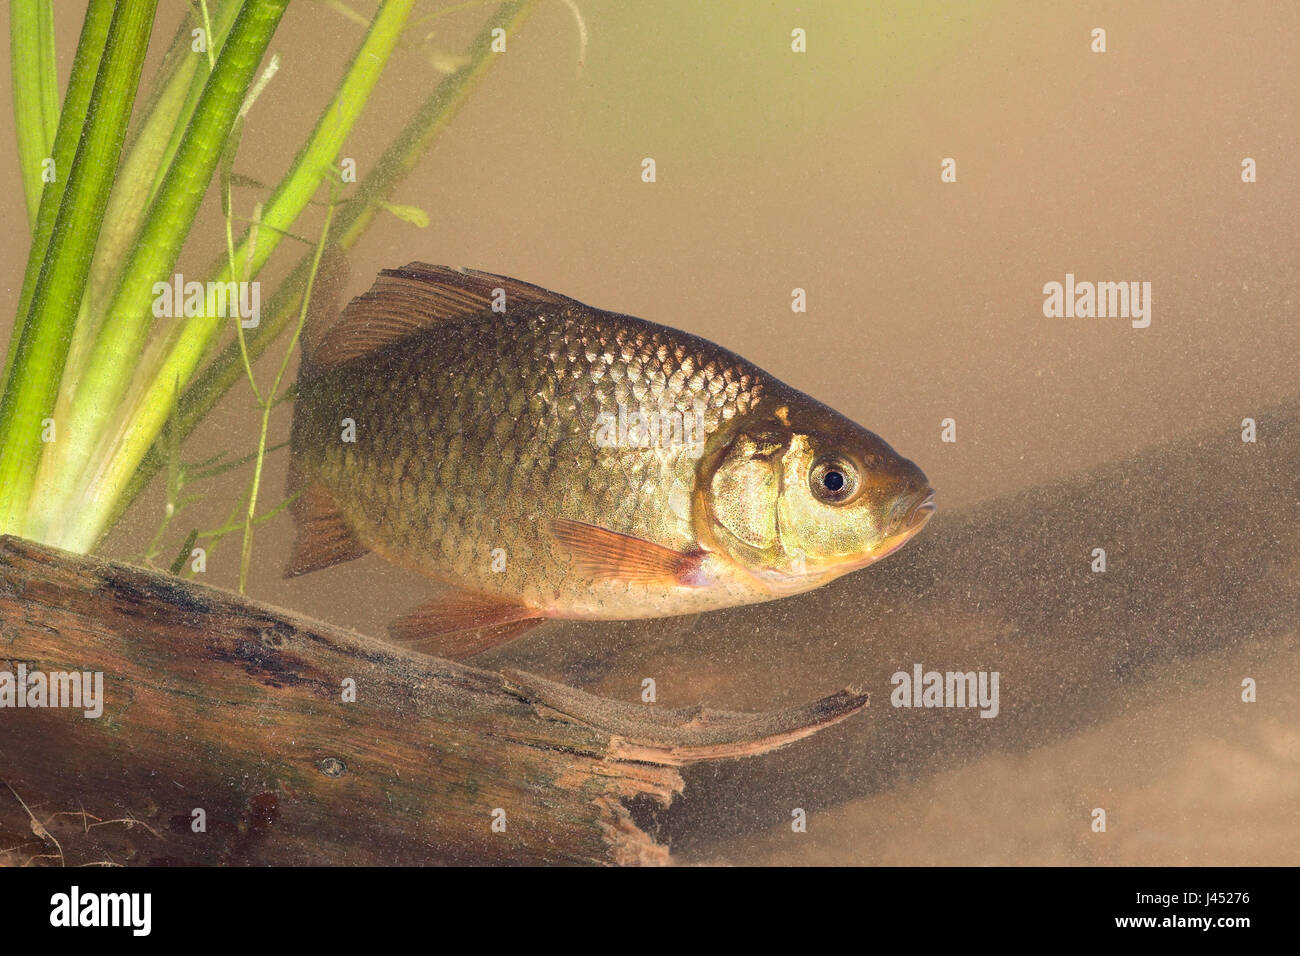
(833, 481)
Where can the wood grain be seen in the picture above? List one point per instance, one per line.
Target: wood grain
(220, 704)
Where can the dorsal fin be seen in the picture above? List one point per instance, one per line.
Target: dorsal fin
(327, 290)
(415, 297)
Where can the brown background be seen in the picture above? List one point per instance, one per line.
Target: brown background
(822, 172)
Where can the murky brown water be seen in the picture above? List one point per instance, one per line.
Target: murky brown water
(822, 171)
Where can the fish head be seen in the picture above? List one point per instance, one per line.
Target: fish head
(803, 495)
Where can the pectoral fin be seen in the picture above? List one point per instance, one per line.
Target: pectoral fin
(461, 623)
(602, 554)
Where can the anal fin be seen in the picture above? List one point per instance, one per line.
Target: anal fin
(324, 536)
(461, 623)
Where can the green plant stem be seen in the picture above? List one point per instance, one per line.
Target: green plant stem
(146, 159)
(268, 403)
(402, 155)
(35, 91)
(76, 521)
(183, 555)
(234, 525)
(85, 67)
(33, 384)
(200, 472)
(115, 355)
(150, 150)
(227, 208)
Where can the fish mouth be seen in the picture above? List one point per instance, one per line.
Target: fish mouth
(910, 516)
(919, 513)
(912, 512)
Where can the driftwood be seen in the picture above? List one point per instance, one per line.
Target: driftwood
(218, 704)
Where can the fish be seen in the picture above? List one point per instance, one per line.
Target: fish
(542, 459)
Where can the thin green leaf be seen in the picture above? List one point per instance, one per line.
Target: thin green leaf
(412, 214)
(183, 555)
(35, 92)
(85, 67)
(33, 385)
(113, 361)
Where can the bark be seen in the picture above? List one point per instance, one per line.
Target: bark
(218, 704)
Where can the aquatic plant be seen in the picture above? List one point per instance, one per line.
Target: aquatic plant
(99, 389)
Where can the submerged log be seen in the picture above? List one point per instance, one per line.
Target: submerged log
(237, 733)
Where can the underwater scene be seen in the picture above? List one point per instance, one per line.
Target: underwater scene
(583, 432)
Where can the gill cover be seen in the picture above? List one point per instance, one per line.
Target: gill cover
(744, 491)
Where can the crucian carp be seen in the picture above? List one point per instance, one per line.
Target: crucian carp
(550, 460)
